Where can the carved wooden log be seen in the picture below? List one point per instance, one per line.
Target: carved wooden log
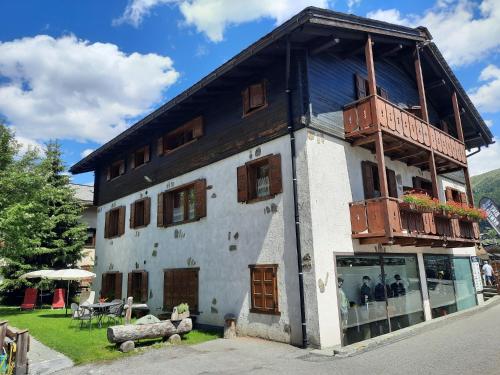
(119, 334)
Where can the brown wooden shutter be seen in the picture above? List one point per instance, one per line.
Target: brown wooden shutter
(144, 286)
(118, 285)
(159, 212)
(132, 215)
(275, 180)
(106, 225)
(198, 127)
(147, 211)
(168, 288)
(384, 93)
(108, 173)
(257, 275)
(417, 182)
(368, 183)
(122, 167)
(392, 183)
(242, 183)
(449, 194)
(257, 95)
(360, 87)
(104, 285)
(131, 162)
(130, 292)
(463, 197)
(245, 96)
(169, 209)
(200, 193)
(121, 220)
(159, 146)
(147, 153)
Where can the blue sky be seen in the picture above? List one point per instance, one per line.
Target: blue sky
(83, 71)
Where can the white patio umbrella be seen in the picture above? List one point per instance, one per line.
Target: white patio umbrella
(40, 274)
(70, 274)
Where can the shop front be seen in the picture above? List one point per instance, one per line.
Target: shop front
(382, 293)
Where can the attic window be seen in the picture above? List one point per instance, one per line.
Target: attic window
(139, 157)
(363, 91)
(182, 136)
(254, 97)
(116, 169)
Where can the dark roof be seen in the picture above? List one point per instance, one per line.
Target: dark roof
(310, 16)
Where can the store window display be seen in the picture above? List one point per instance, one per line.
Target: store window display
(378, 294)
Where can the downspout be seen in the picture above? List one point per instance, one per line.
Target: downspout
(305, 341)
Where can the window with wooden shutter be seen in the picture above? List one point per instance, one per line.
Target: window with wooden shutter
(371, 181)
(115, 170)
(159, 210)
(183, 204)
(264, 289)
(392, 184)
(259, 179)
(254, 97)
(362, 91)
(140, 212)
(114, 222)
(454, 195)
(423, 185)
(180, 285)
(182, 136)
(138, 286)
(111, 286)
(139, 157)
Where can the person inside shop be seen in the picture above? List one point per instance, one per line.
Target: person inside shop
(381, 289)
(366, 291)
(398, 287)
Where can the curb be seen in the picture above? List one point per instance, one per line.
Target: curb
(393, 337)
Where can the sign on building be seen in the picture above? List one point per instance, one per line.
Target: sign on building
(492, 211)
(476, 274)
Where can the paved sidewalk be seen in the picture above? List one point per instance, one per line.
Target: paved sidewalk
(464, 345)
(43, 360)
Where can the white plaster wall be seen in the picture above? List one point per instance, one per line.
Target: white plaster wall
(260, 235)
(335, 180)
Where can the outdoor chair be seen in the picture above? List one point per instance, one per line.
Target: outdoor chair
(85, 314)
(87, 297)
(29, 301)
(58, 300)
(115, 312)
(74, 312)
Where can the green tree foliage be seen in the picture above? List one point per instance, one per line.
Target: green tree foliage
(40, 223)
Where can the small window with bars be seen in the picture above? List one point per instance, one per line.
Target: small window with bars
(264, 289)
(259, 179)
(138, 285)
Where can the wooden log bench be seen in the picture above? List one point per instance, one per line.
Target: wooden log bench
(165, 329)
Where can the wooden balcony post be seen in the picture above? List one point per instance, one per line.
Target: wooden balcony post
(468, 188)
(432, 169)
(420, 86)
(458, 121)
(382, 176)
(370, 67)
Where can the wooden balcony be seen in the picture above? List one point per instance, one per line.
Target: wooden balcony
(388, 221)
(406, 137)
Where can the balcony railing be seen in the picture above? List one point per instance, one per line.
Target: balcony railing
(374, 113)
(390, 221)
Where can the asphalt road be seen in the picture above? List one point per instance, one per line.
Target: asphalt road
(467, 345)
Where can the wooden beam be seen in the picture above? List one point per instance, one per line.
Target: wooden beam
(394, 148)
(365, 140)
(420, 85)
(468, 187)
(456, 113)
(379, 150)
(435, 84)
(408, 156)
(370, 68)
(325, 46)
(352, 52)
(432, 169)
(391, 51)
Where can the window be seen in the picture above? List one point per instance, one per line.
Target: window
(111, 286)
(139, 157)
(115, 170)
(114, 222)
(254, 97)
(363, 91)
(422, 184)
(454, 195)
(90, 241)
(183, 204)
(184, 135)
(259, 179)
(138, 286)
(264, 289)
(180, 286)
(140, 212)
(371, 182)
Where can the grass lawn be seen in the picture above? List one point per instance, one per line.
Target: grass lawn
(53, 329)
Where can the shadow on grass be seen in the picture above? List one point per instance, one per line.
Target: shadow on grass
(54, 315)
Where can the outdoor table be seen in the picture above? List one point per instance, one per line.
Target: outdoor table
(101, 309)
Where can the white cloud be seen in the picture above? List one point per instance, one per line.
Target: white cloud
(351, 4)
(86, 152)
(487, 96)
(488, 123)
(212, 17)
(486, 160)
(466, 31)
(68, 88)
(28, 144)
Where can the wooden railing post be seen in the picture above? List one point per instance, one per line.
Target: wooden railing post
(3, 332)
(22, 343)
(420, 85)
(456, 113)
(432, 169)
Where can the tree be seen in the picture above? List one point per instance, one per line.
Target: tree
(40, 223)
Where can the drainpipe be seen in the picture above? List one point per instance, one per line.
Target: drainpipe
(305, 341)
